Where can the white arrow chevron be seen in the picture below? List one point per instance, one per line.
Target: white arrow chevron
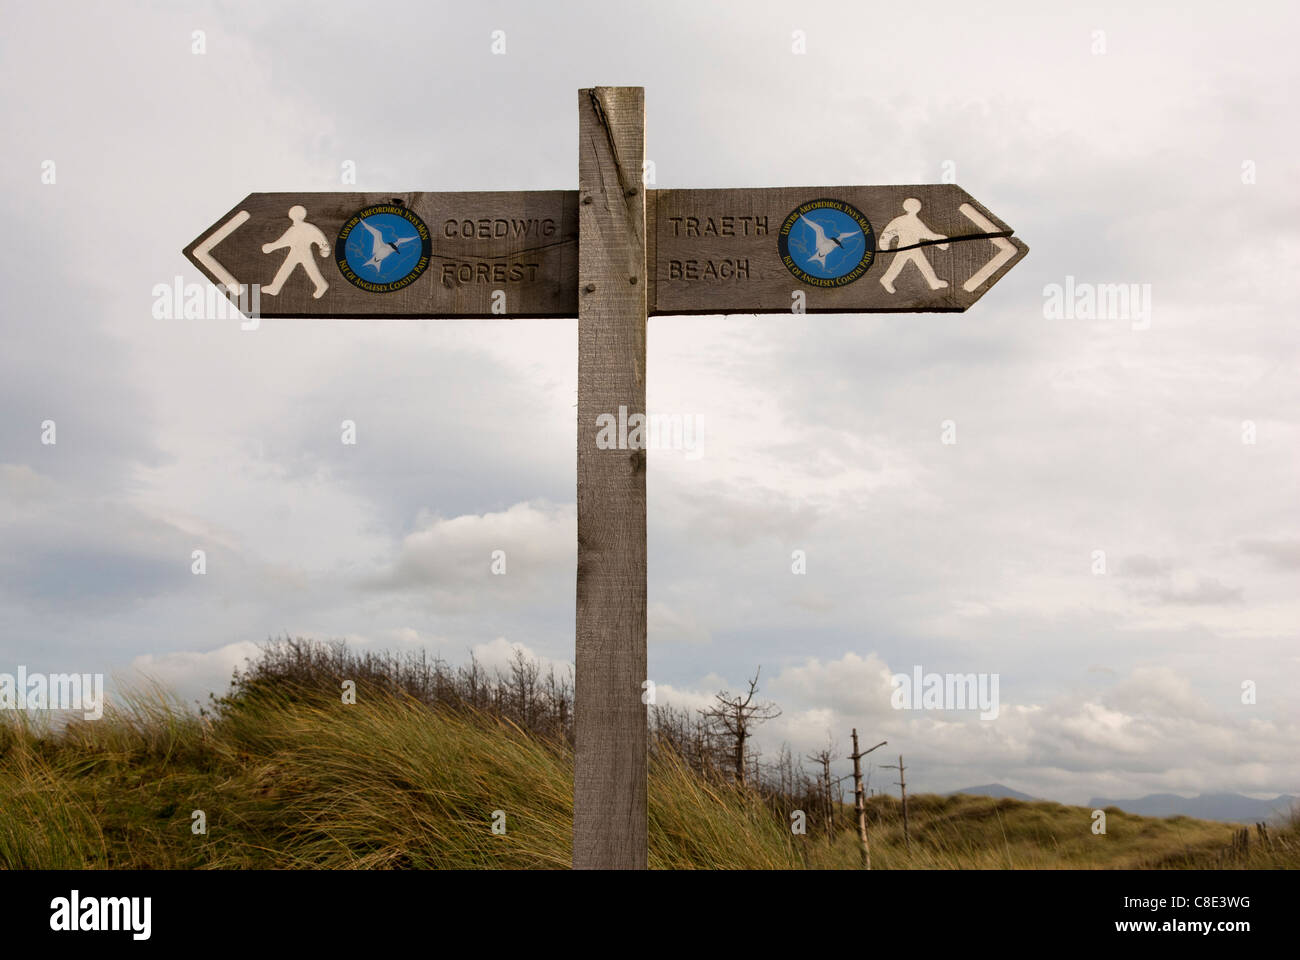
(1006, 249)
(203, 252)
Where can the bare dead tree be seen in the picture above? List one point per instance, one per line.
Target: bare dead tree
(902, 785)
(860, 801)
(559, 693)
(703, 746)
(824, 757)
(475, 681)
(785, 772)
(735, 716)
(522, 683)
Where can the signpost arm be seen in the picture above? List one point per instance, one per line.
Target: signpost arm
(610, 730)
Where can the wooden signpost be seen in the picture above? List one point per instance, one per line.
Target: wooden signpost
(611, 253)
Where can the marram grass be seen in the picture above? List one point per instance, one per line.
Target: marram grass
(288, 781)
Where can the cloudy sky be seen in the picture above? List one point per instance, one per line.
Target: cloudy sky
(1154, 147)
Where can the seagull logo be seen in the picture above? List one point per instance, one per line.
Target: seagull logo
(826, 242)
(825, 245)
(381, 248)
(398, 251)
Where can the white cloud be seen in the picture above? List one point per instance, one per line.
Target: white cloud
(192, 675)
(453, 557)
(1138, 730)
(498, 654)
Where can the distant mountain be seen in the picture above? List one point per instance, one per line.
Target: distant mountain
(995, 790)
(1229, 807)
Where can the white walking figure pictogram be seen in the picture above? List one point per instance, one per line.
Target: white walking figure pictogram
(908, 230)
(299, 239)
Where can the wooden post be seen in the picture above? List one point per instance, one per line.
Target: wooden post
(610, 736)
(625, 267)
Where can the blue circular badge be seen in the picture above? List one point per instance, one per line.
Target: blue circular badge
(383, 248)
(827, 243)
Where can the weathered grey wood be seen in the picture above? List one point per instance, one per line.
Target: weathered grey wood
(524, 243)
(717, 251)
(610, 735)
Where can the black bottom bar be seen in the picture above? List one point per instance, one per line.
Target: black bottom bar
(983, 910)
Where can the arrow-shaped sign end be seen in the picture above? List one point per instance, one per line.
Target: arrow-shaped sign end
(200, 253)
(1007, 250)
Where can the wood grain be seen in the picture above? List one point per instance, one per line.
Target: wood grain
(610, 734)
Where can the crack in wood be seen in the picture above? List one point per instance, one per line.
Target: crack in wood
(1000, 235)
(514, 253)
(599, 109)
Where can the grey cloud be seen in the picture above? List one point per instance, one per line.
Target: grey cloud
(1282, 554)
(1140, 565)
(1206, 590)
